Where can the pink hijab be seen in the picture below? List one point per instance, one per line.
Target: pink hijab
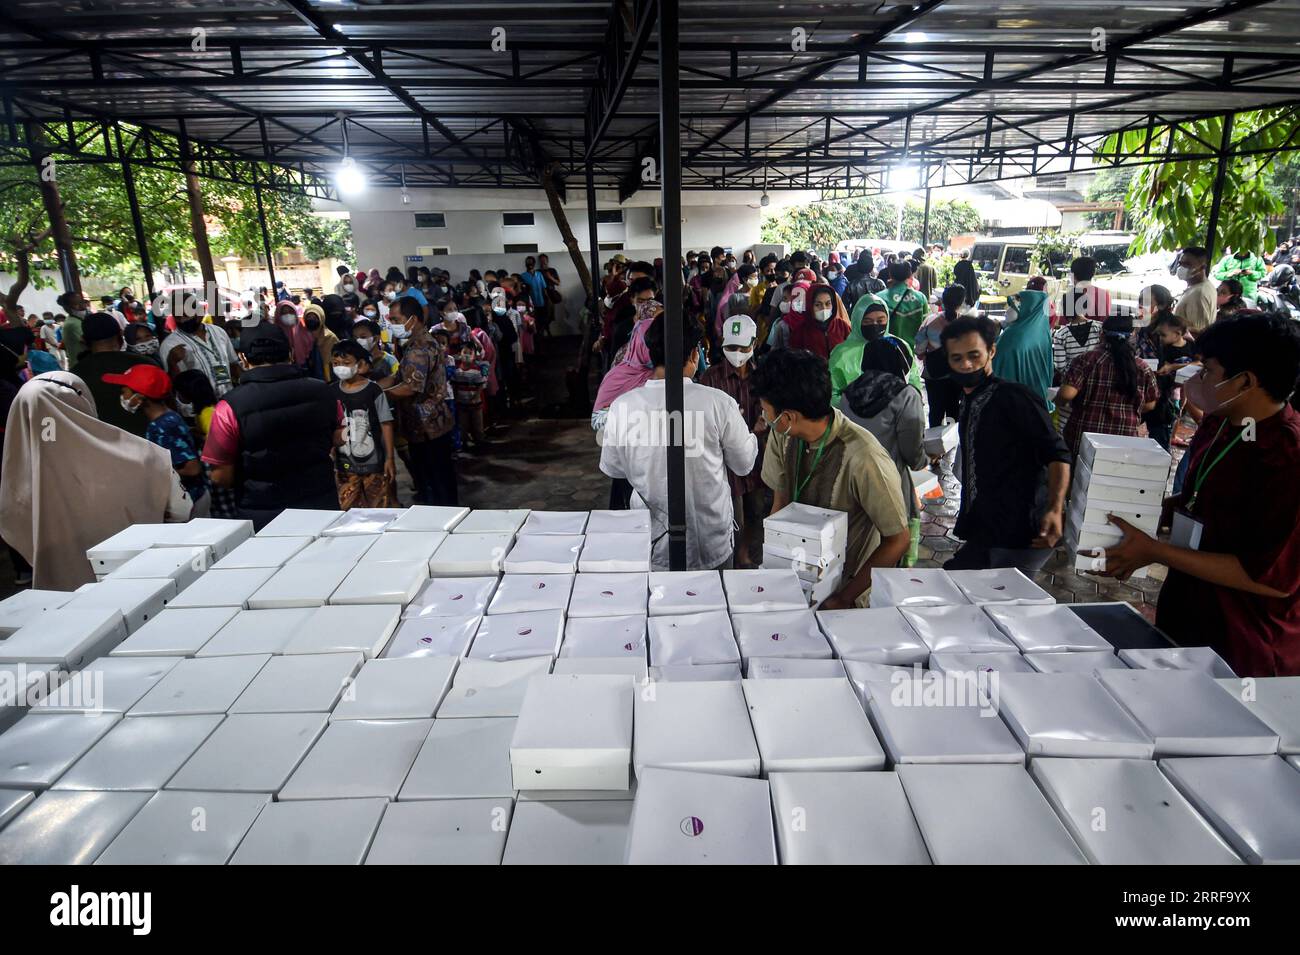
(300, 339)
(732, 287)
(636, 368)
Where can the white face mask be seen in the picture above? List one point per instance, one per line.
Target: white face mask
(498, 310)
(370, 313)
(366, 343)
(349, 287)
(832, 274)
(752, 281)
(288, 318)
(343, 372)
(822, 314)
(785, 307)
(738, 358)
(128, 406)
(1013, 314)
(1184, 273)
(391, 296)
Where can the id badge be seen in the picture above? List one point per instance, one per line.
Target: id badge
(1186, 531)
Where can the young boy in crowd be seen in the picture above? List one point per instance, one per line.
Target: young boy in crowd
(147, 390)
(383, 364)
(1176, 350)
(366, 462)
(469, 380)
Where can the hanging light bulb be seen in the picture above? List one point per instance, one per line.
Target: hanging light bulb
(350, 177)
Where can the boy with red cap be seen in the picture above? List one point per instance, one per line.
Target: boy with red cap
(146, 390)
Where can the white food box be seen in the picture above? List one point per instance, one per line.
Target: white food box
(619, 522)
(845, 819)
(695, 638)
(806, 725)
(463, 759)
(615, 553)
(140, 753)
(251, 752)
(181, 565)
(40, 747)
(1094, 448)
(358, 759)
(957, 663)
(1125, 812)
(299, 522)
(604, 595)
(1092, 560)
(1276, 701)
(686, 672)
(311, 832)
(263, 552)
(999, 586)
(685, 592)
(1147, 473)
(487, 521)
(914, 587)
(1188, 714)
(1253, 802)
(570, 832)
(1178, 658)
(879, 635)
(807, 573)
(67, 637)
(297, 585)
(554, 522)
(1145, 517)
(521, 593)
(967, 629)
(209, 685)
(621, 636)
(442, 832)
(162, 833)
(986, 815)
(681, 818)
(1187, 372)
(452, 597)
(224, 588)
(113, 552)
(1152, 363)
(483, 688)
(1084, 661)
(574, 732)
(428, 517)
(790, 668)
(780, 633)
(67, 828)
(514, 636)
(1069, 715)
(382, 582)
(139, 601)
(305, 683)
(256, 631)
(433, 637)
(1121, 490)
(816, 593)
(348, 549)
(634, 667)
(397, 689)
(700, 726)
(176, 633)
(758, 591)
(1054, 629)
(471, 555)
(342, 629)
(23, 685)
(959, 725)
(807, 533)
(544, 554)
(362, 520)
(939, 440)
(20, 609)
(108, 685)
(411, 545)
(222, 535)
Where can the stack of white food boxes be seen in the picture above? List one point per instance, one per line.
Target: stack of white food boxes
(1114, 475)
(812, 541)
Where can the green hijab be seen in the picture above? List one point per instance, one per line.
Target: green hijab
(1025, 347)
(846, 357)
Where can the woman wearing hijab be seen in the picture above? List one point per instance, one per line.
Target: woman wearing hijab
(1108, 388)
(846, 359)
(817, 320)
(323, 341)
(963, 273)
(301, 341)
(64, 496)
(1024, 350)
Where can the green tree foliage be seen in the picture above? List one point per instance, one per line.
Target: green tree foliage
(821, 225)
(1111, 184)
(1170, 202)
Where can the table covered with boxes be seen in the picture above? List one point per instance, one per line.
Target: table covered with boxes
(435, 685)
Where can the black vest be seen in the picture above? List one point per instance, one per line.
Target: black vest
(286, 431)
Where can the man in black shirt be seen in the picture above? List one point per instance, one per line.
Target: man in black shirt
(1014, 466)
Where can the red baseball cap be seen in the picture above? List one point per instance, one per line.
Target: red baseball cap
(145, 378)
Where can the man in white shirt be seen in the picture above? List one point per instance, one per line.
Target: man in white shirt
(202, 345)
(634, 446)
(1197, 306)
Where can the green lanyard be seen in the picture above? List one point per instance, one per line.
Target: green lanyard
(821, 446)
(1204, 471)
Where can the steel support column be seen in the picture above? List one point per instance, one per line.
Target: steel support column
(925, 220)
(1220, 174)
(137, 223)
(266, 236)
(670, 181)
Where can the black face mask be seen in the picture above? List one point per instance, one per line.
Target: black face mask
(872, 332)
(189, 325)
(313, 324)
(968, 379)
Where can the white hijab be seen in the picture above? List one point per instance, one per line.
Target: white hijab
(70, 480)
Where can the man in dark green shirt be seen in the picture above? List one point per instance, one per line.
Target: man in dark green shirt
(103, 341)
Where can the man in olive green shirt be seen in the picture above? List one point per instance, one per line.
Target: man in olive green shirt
(74, 303)
(816, 456)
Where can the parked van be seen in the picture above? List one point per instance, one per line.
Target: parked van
(1006, 261)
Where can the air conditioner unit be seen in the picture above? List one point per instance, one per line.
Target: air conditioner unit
(658, 214)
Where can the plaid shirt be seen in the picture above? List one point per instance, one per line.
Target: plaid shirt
(1100, 407)
(725, 378)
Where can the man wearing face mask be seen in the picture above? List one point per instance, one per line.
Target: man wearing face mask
(1234, 549)
(732, 375)
(1197, 306)
(74, 303)
(201, 345)
(105, 356)
(1014, 467)
(347, 283)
